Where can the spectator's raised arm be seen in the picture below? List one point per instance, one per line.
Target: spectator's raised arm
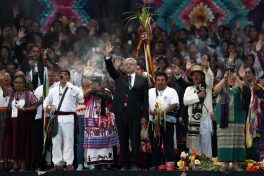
(22, 60)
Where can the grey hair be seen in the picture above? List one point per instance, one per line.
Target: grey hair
(131, 58)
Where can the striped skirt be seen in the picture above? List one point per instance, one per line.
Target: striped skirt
(231, 143)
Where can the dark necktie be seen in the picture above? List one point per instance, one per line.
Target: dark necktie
(35, 80)
(129, 82)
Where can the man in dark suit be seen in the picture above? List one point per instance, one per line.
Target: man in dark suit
(130, 106)
(33, 63)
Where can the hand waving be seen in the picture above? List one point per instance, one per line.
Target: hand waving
(21, 34)
(118, 62)
(108, 49)
(204, 61)
(231, 58)
(16, 11)
(188, 65)
(241, 71)
(176, 69)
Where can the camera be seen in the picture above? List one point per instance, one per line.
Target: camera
(230, 68)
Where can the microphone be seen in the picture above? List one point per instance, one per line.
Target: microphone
(61, 76)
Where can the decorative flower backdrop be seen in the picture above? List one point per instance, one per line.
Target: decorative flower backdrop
(205, 12)
(201, 12)
(73, 9)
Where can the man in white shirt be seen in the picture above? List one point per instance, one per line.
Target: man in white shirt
(162, 99)
(63, 142)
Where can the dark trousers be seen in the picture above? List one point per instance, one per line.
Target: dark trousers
(128, 129)
(40, 163)
(166, 136)
(80, 136)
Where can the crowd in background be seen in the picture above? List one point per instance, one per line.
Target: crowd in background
(76, 47)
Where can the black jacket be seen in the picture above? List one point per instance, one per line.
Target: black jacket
(137, 105)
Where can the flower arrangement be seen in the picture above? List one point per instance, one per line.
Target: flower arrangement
(254, 166)
(196, 162)
(159, 118)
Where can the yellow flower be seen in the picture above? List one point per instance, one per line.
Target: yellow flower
(249, 165)
(191, 158)
(180, 164)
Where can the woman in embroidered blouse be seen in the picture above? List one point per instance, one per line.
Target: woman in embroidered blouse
(100, 133)
(18, 139)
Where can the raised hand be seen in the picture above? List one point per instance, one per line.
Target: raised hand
(21, 34)
(241, 71)
(231, 58)
(108, 49)
(118, 62)
(15, 11)
(239, 82)
(176, 69)
(204, 61)
(188, 65)
(64, 20)
(259, 45)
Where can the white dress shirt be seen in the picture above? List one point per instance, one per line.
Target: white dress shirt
(36, 71)
(166, 98)
(69, 104)
(39, 94)
(133, 76)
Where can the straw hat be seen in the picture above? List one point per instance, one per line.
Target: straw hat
(197, 68)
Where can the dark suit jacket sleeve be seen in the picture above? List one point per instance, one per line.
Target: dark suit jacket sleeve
(17, 21)
(22, 60)
(145, 100)
(183, 83)
(111, 69)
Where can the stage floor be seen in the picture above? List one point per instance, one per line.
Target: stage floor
(132, 173)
